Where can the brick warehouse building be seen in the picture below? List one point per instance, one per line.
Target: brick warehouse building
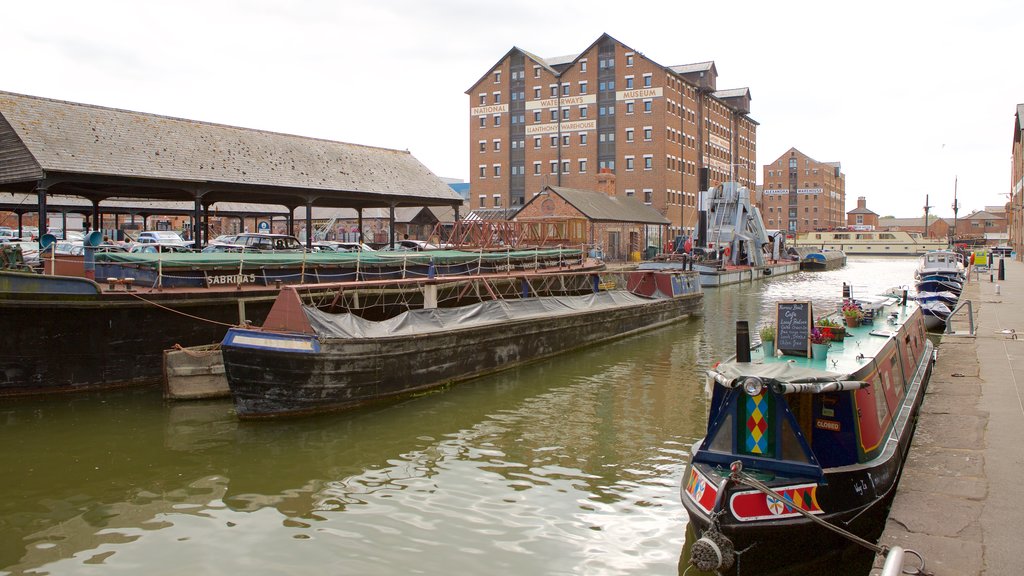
(800, 194)
(537, 122)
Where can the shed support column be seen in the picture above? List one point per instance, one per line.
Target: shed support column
(63, 225)
(391, 226)
(359, 223)
(291, 221)
(309, 225)
(197, 242)
(96, 224)
(206, 222)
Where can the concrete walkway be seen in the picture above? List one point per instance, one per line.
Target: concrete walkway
(960, 503)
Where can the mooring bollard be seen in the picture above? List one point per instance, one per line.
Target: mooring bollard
(1002, 269)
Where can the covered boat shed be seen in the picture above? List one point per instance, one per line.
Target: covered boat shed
(54, 147)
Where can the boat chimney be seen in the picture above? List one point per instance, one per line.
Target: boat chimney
(904, 296)
(846, 291)
(742, 341)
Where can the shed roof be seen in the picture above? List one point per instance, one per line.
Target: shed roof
(95, 151)
(600, 207)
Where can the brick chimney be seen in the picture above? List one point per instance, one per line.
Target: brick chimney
(606, 182)
(862, 202)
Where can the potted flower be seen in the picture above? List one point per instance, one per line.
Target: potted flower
(852, 313)
(820, 339)
(767, 333)
(838, 331)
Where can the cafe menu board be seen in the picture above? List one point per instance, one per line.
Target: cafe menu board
(793, 328)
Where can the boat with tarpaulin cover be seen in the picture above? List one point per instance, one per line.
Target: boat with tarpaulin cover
(315, 356)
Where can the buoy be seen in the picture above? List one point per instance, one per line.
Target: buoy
(712, 552)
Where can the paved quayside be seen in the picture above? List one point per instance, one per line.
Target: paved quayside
(960, 503)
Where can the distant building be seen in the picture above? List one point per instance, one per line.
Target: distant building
(937, 227)
(861, 216)
(537, 122)
(459, 186)
(982, 225)
(621, 226)
(801, 194)
(1015, 220)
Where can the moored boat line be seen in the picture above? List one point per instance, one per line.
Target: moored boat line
(132, 318)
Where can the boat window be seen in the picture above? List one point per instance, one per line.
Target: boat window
(887, 236)
(842, 236)
(791, 448)
(722, 442)
(865, 236)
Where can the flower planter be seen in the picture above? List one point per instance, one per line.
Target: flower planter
(852, 322)
(819, 350)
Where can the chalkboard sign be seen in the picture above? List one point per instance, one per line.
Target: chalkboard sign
(793, 328)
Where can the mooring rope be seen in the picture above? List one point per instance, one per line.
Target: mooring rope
(742, 478)
(135, 295)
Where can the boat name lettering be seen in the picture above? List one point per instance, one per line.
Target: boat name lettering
(231, 279)
(830, 425)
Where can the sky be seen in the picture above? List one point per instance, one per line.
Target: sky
(915, 99)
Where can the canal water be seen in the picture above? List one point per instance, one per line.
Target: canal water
(566, 466)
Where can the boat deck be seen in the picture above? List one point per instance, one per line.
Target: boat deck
(850, 354)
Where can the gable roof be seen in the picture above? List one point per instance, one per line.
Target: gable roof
(859, 210)
(106, 150)
(600, 207)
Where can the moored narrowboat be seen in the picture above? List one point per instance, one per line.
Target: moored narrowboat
(313, 356)
(799, 443)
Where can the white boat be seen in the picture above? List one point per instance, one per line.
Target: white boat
(871, 243)
(944, 263)
(940, 271)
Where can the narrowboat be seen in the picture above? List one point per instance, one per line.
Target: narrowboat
(799, 443)
(821, 260)
(313, 355)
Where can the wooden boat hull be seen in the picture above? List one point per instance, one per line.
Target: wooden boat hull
(277, 374)
(194, 373)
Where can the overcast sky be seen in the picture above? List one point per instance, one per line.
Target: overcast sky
(908, 96)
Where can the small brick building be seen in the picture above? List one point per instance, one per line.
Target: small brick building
(621, 226)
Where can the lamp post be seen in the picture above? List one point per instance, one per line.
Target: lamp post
(956, 208)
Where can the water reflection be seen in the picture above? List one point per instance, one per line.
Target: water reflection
(571, 465)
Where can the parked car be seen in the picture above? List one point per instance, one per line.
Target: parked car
(352, 247)
(419, 245)
(161, 237)
(257, 242)
(153, 248)
(225, 239)
(223, 248)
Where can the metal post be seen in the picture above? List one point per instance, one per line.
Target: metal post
(309, 224)
(197, 241)
(41, 193)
